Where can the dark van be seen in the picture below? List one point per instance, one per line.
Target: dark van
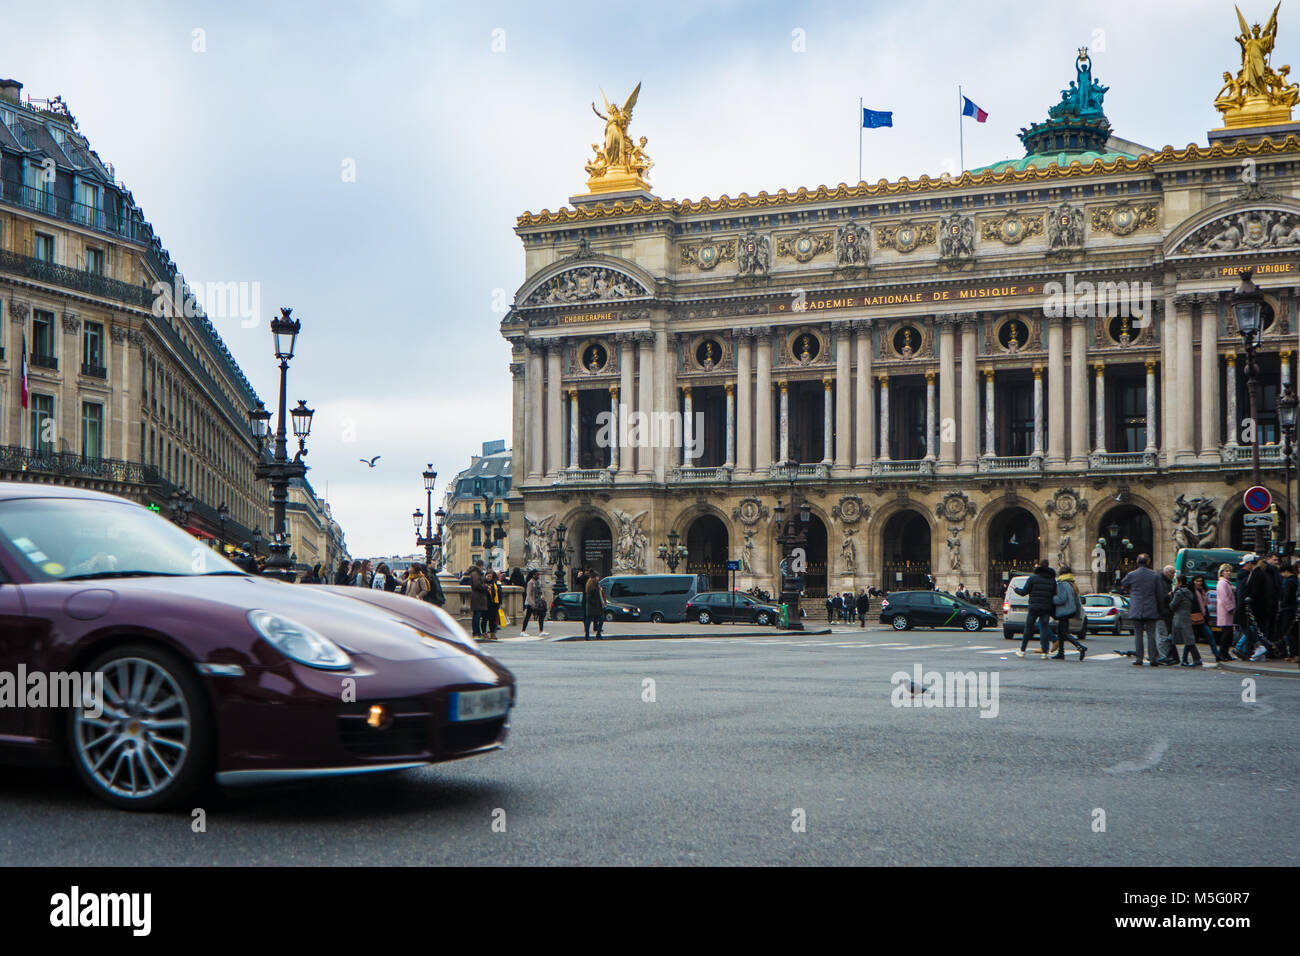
(661, 597)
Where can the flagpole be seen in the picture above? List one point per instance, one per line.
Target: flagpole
(961, 131)
(860, 108)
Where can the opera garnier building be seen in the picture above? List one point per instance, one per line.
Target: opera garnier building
(1036, 358)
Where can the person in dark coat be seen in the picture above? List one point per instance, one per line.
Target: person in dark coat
(1144, 608)
(1259, 597)
(1286, 629)
(341, 576)
(1040, 587)
(864, 606)
(1165, 626)
(478, 602)
(593, 607)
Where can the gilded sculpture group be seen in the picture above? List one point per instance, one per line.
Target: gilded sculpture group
(1257, 87)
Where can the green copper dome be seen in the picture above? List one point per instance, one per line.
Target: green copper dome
(1062, 159)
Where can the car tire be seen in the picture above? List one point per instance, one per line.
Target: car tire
(170, 677)
(609, 615)
(762, 618)
(559, 615)
(900, 622)
(971, 623)
(704, 617)
(1007, 633)
(656, 618)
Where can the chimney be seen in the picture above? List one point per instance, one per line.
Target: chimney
(10, 91)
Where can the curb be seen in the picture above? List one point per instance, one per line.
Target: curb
(770, 632)
(1243, 667)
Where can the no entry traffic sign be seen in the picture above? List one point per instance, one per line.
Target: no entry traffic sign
(1257, 499)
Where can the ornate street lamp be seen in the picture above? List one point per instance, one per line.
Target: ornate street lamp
(557, 558)
(223, 512)
(427, 540)
(181, 505)
(791, 535)
(441, 517)
(492, 537)
(672, 553)
(1287, 404)
(280, 470)
(257, 541)
(1247, 304)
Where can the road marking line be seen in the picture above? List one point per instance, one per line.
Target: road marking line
(1103, 657)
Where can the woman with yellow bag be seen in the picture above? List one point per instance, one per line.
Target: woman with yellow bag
(496, 616)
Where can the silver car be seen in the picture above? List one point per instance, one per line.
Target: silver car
(1106, 612)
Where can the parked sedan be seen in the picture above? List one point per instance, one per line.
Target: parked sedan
(907, 609)
(719, 606)
(568, 607)
(1106, 612)
(196, 671)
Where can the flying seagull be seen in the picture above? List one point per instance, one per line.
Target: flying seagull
(371, 461)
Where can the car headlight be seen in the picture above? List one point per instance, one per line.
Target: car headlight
(299, 642)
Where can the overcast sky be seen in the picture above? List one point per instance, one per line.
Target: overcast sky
(461, 116)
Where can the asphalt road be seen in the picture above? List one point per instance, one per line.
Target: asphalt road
(743, 737)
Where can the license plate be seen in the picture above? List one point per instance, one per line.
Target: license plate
(479, 704)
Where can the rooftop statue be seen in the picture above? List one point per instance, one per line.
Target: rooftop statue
(621, 164)
(1258, 95)
(1083, 97)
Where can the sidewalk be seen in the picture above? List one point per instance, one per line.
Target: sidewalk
(1274, 668)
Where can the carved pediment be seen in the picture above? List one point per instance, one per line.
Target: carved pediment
(587, 283)
(1245, 230)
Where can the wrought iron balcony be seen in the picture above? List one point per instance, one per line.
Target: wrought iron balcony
(1240, 455)
(1011, 463)
(701, 473)
(95, 371)
(102, 220)
(78, 280)
(67, 465)
(913, 466)
(36, 360)
(1123, 459)
(586, 476)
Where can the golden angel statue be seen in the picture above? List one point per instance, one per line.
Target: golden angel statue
(1258, 95)
(621, 164)
(1255, 50)
(617, 144)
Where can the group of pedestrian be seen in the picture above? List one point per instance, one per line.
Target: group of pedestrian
(846, 606)
(1053, 603)
(486, 615)
(1260, 620)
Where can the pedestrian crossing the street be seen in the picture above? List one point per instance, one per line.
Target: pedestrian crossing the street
(1007, 652)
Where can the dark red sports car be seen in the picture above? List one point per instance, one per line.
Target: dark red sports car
(155, 665)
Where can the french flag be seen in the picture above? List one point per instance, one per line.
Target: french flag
(970, 109)
(23, 381)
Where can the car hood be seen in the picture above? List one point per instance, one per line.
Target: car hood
(389, 633)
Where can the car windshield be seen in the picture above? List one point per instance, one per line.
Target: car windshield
(81, 539)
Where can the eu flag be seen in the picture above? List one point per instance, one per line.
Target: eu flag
(874, 118)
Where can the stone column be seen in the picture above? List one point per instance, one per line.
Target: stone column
(688, 425)
(1078, 394)
(554, 410)
(828, 415)
(1056, 391)
(865, 396)
(1230, 386)
(1284, 357)
(1168, 425)
(744, 402)
(763, 406)
(534, 438)
(1099, 440)
(929, 416)
(665, 364)
(884, 418)
(970, 406)
(990, 445)
(1151, 407)
(1184, 402)
(626, 395)
(947, 389)
(843, 428)
(1038, 410)
(573, 429)
(645, 403)
(614, 427)
(785, 423)
(1209, 384)
(731, 424)
(519, 418)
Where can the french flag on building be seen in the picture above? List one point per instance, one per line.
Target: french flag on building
(23, 381)
(970, 109)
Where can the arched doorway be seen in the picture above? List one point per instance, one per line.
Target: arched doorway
(905, 552)
(707, 550)
(1123, 534)
(1014, 545)
(1241, 538)
(594, 548)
